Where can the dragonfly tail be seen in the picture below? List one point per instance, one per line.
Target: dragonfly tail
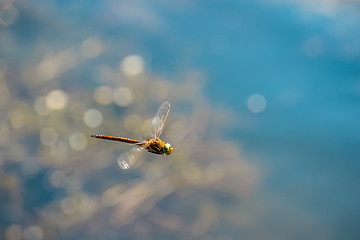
(120, 139)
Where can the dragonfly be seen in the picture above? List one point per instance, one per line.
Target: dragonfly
(153, 144)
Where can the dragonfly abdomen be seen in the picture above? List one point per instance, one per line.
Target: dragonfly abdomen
(120, 139)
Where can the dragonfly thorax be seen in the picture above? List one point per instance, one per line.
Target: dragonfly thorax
(159, 147)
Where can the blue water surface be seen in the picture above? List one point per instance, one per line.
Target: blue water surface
(303, 59)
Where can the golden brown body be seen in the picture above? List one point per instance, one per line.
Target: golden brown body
(120, 139)
(152, 145)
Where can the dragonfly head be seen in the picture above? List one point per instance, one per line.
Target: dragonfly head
(167, 149)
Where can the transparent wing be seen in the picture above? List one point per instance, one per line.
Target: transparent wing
(157, 123)
(127, 158)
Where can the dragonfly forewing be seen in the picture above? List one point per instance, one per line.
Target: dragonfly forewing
(158, 121)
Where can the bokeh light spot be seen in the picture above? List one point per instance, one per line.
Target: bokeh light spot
(33, 233)
(123, 96)
(68, 206)
(132, 65)
(86, 206)
(52, 65)
(14, 232)
(40, 106)
(48, 136)
(78, 141)
(9, 14)
(57, 178)
(16, 119)
(91, 47)
(256, 103)
(48, 68)
(93, 118)
(56, 99)
(103, 95)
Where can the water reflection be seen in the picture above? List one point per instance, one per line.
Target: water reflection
(69, 182)
(68, 69)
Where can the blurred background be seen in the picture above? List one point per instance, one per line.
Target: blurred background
(264, 121)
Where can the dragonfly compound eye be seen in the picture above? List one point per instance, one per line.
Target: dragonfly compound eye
(167, 149)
